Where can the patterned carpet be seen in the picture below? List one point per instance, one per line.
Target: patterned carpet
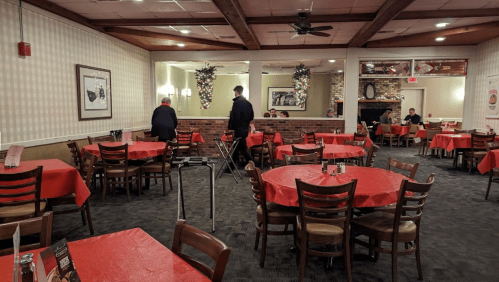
(459, 233)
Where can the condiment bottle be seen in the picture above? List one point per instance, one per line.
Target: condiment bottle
(324, 166)
(27, 270)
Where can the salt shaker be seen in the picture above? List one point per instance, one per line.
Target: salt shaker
(324, 166)
(339, 168)
(343, 168)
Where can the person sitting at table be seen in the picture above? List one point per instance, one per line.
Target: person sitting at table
(284, 114)
(330, 113)
(273, 112)
(274, 115)
(164, 121)
(266, 115)
(413, 117)
(386, 117)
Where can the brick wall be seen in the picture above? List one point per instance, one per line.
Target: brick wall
(386, 89)
(288, 128)
(337, 88)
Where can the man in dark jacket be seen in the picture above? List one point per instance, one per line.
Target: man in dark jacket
(164, 121)
(240, 118)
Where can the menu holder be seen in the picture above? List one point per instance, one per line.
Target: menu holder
(13, 157)
(253, 130)
(55, 264)
(16, 238)
(126, 138)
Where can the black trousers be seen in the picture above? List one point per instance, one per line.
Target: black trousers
(241, 148)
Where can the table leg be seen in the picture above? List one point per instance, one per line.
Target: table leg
(148, 181)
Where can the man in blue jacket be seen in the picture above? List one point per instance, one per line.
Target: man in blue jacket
(164, 121)
(240, 118)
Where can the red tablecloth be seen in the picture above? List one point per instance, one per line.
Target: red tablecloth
(427, 124)
(450, 142)
(331, 151)
(333, 138)
(139, 149)
(422, 133)
(375, 186)
(196, 137)
(255, 139)
(130, 255)
(58, 179)
(396, 129)
(490, 161)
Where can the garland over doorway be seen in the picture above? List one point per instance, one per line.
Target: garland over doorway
(301, 77)
(205, 78)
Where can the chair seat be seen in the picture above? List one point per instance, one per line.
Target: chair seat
(259, 150)
(182, 147)
(154, 167)
(276, 211)
(480, 154)
(121, 171)
(321, 232)
(411, 135)
(194, 143)
(380, 225)
(22, 210)
(390, 135)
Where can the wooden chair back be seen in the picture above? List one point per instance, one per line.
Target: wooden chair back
(270, 147)
(306, 151)
(430, 133)
(204, 242)
(255, 178)
(101, 139)
(371, 154)
(406, 212)
(414, 128)
(147, 139)
(359, 136)
(147, 132)
(411, 168)
(22, 188)
(290, 141)
(195, 129)
(310, 137)
(268, 129)
(435, 125)
(459, 125)
(268, 137)
(184, 137)
(478, 141)
(325, 204)
(355, 143)
(2, 156)
(489, 146)
(115, 157)
(459, 131)
(87, 167)
(386, 128)
(75, 153)
(300, 159)
(41, 225)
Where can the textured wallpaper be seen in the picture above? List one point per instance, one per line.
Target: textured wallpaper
(38, 97)
(488, 65)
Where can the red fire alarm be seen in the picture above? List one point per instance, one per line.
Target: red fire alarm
(24, 49)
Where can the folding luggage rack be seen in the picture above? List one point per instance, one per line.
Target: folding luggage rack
(226, 153)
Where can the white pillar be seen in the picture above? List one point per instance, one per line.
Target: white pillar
(255, 86)
(350, 97)
(469, 95)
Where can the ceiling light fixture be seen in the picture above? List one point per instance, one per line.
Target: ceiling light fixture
(184, 31)
(442, 24)
(181, 45)
(332, 61)
(340, 70)
(440, 39)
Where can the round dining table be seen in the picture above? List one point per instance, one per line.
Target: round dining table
(331, 151)
(337, 138)
(396, 129)
(450, 142)
(138, 150)
(422, 133)
(375, 186)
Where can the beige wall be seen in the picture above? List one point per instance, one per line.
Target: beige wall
(38, 96)
(444, 95)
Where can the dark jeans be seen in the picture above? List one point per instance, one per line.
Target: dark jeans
(241, 148)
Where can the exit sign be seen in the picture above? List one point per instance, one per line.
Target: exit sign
(412, 80)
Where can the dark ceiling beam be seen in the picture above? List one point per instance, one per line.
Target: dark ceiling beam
(184, 39)
(313, 19)
(442, 14)
(423, 37)
(63, 12)
(160, 22)
(234, 14)
(386, 13)
(317, 46)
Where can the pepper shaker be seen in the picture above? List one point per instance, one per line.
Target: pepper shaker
(324, 165)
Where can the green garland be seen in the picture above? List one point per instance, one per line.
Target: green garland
(205, 78)
(301, 78)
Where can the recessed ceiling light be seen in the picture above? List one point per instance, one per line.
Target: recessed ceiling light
(340, 70)
(440, 39)
(181, 45)
(184, 31)
(332, 61)
(442, 24)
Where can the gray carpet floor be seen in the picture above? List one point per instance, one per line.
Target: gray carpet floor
(459, 233)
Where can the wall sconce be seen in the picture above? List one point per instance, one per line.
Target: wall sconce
(170, 90)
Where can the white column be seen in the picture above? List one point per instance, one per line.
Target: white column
(469, 95)
(350, 97)
(255, 86)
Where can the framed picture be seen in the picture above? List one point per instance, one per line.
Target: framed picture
(94, 93)
(283, 99)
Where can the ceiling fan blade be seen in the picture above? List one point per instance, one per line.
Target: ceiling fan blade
(294, 26)
(295, 36)
(321, 28)
(322, 34)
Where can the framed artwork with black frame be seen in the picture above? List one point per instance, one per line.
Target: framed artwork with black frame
(283, 99)
(94, 93)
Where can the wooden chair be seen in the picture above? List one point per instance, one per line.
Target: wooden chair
(262, 150)
(88, 162)
(411, 168)
(184, 143)
(146, 138)
(195, 145)
(204, 242)
(98, 169)
(386, 131)
(2, 156)
(494, 171)
(268, 213)
(460, 151)
(290, 141)
(41, 225)
(324, 220)
(300, 159)
(269, 129)
(371, 154)
(115, 161)
(478, 150)
(459, 131)
(426, 142)
(303, 151)
(147, 132)
(434, 125)
(20, 185)
(459, 125)
(357, 160)
(163, 168)
(101, 139)
(399, 225)
(310, 137)
(360, 136)
(412, 132)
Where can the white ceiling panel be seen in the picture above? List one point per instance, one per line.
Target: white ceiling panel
(361, 10)
(430, 2)
(369, 3)
(380, 36)
(100, 7)
(330, 11)
(310, 39)
(492, 4)
(276, 5)
(159, 6)
(199, 7)
(268, 40)
(465, 4)
(429, 7)
(341, 39)
(320, 4)
(352, 25)
(429, 24)
(400, 24)
(300, 40)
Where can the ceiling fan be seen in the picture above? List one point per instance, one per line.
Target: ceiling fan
(303, 28)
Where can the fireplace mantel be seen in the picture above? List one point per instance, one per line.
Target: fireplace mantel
(373, 101)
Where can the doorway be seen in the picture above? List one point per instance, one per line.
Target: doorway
(413, 98)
